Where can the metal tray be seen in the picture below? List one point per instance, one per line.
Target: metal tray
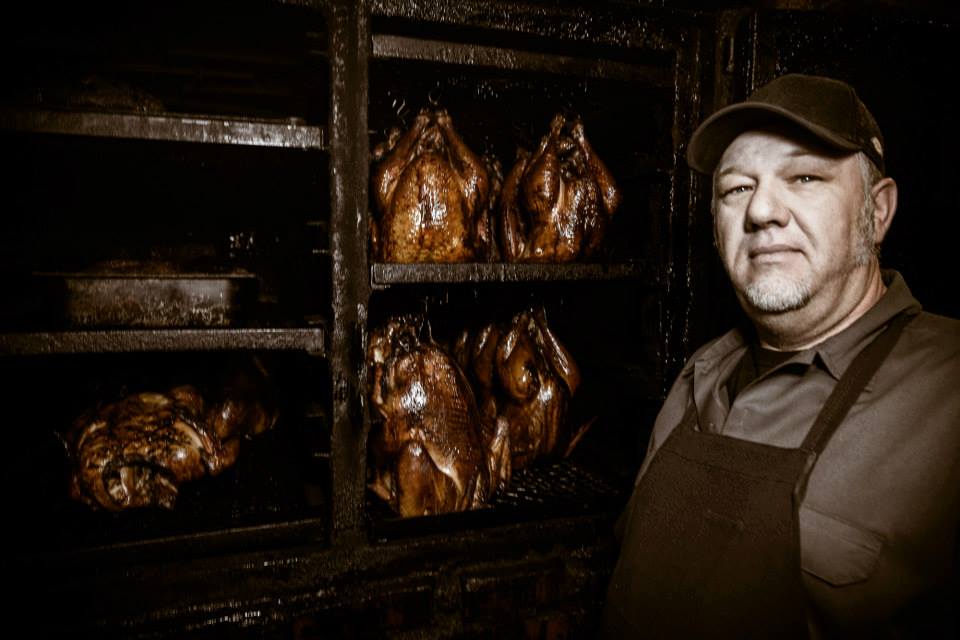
(151, 294)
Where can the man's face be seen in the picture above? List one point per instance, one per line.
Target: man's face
(787, 221)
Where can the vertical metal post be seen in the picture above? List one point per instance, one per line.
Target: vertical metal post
(349, 167)
(676, 305)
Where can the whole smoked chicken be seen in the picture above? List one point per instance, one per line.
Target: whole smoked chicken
(475, 353)
(525, 377)
(431, 194)
(557, 201)
(138, 450)
(539, 377)
(432, 454)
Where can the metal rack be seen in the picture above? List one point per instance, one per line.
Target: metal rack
(310, 340)
(175, 128)
(386, 274)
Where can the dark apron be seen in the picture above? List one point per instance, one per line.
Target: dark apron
(711, 547)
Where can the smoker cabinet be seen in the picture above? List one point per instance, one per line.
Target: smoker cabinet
(170, 163)
(239, 135)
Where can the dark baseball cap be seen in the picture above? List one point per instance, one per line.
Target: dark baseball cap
(828, 109)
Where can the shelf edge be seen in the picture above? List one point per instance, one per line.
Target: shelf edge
(186, 128)
(310, 340)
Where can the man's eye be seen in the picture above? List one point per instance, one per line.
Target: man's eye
(806, 179)
(740, 188)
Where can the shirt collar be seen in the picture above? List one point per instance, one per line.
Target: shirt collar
(733, 340)
(837, 352)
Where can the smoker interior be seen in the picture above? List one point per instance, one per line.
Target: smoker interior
(77, 202)
(217, 58)
(210, 138)
(612, 332)
(497, 112)
(280, 476)
(612, 328)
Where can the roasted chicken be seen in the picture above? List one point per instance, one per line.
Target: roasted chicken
(138, 450)
(431, 452)
(475, 352)
(557, 201)
(431, 195)
(525, 377)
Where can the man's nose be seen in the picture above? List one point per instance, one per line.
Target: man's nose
(766, 207)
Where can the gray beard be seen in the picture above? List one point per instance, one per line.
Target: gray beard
(777, 294)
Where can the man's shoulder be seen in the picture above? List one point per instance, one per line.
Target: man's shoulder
(935, 331)
(930, 348)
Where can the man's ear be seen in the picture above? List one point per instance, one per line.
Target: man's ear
(884, 195)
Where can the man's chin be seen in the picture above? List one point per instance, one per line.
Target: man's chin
(776, 294)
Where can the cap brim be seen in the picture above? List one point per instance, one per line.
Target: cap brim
(715, 134)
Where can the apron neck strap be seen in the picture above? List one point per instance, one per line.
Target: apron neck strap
(852, 383)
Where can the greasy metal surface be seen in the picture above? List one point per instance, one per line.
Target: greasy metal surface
(734, 39)
(563, 485)
(150, 300)
(562, 489)
(256, 59)
(679, 220)
(194, 128)
(233, 592)
(554, 21)
(311, 340)
(349, 166)
(389, 46)
(235, 539)
(382, 274)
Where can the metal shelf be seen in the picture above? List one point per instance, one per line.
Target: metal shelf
(406, 48)
(385, 274)
(312, 340)
(176, 128)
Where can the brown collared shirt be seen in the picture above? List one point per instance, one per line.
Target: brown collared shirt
(879, 523)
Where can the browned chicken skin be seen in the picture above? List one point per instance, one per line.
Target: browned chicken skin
(135, 452)
(486, 230)
(475, 353)
(138, 450)
(539, 377)
(431, 455)
(431, 193)
(557, 201)
(525, 377)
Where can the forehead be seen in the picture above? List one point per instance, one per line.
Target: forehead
(762, 146)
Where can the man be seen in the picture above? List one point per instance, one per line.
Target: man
(803, 476)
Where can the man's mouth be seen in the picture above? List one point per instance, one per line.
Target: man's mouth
(771, 251)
